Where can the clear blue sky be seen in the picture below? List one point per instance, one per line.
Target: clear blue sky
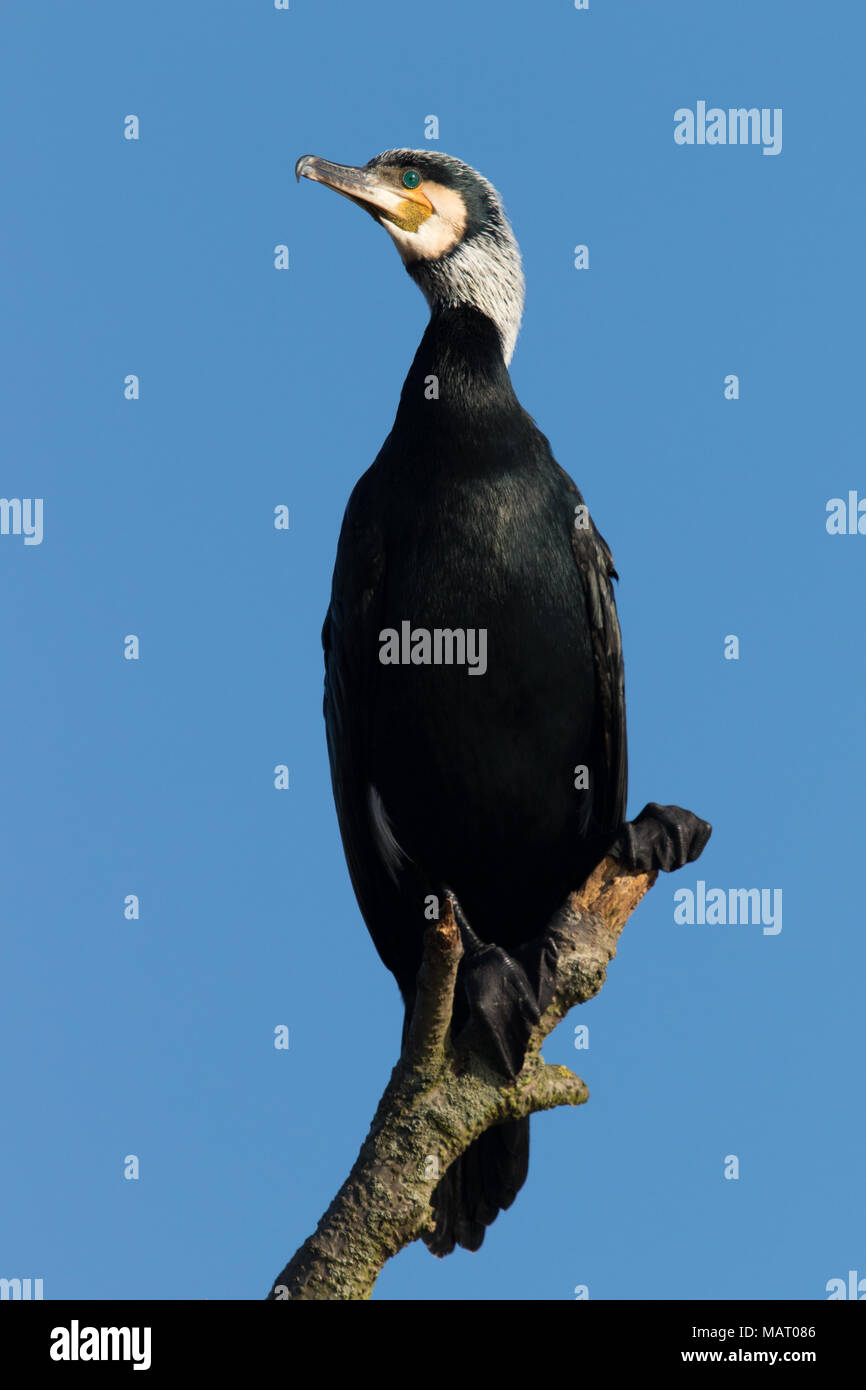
(259, 387)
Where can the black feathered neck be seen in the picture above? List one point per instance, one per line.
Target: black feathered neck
(458, 367)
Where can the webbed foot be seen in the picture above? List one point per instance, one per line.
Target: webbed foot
(502, 1004)
(661, 837)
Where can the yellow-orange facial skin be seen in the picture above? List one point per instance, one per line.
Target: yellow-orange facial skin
(413, 209)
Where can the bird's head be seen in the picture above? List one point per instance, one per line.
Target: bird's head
(448, 224)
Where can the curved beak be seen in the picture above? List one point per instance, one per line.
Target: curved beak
(406, 207)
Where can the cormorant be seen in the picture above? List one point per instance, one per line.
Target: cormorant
(474, 700)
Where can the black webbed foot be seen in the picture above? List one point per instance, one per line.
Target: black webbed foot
(501, 1002)
(661, 837)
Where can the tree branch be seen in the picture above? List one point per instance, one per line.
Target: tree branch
(441, 1097)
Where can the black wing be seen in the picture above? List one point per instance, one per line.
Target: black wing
(350, 638)
(595, 564)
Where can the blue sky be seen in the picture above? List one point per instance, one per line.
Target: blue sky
(260, 387)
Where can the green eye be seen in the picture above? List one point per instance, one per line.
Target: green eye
(411, 178)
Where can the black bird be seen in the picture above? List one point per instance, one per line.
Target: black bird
(463, 775)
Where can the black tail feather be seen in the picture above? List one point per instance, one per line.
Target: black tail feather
(482, 1182)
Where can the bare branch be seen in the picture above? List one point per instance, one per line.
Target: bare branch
(437, 1103)
(431, 1019)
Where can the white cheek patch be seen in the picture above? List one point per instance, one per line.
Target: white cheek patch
(483, 272)
(439, 233)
